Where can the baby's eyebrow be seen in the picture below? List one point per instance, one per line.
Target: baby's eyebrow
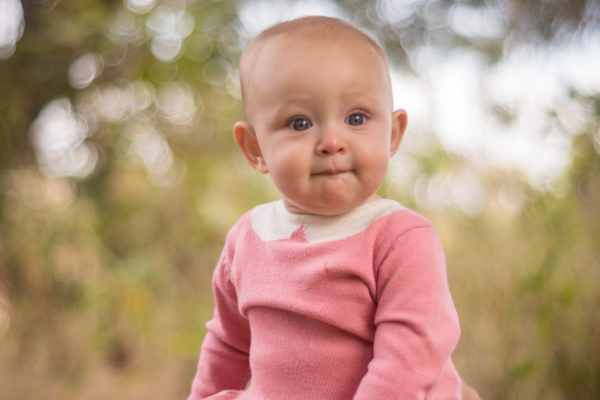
(284, 105)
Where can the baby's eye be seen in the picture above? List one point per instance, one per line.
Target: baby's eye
(299, 124)
(356, 119)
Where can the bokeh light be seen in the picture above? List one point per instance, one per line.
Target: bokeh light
(59, 137)
(151, 148)
(217, 71)
(143, 95)
(12, 25)
(114, 102)
(126, 28)
(395, 13)
(477, 22)
(256, 15)
(199, 47)
(140, 6)
(168, 27)
(177, 104)
(84, 70)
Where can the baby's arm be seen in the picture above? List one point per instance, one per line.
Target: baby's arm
(224, 355)
(416, 322)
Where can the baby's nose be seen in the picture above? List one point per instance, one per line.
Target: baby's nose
(331, 143)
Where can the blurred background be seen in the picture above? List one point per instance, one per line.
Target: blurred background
(119, 178)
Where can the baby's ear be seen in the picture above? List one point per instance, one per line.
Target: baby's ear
(399, 121)
(245, 137)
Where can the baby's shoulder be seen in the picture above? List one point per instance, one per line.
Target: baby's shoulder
(238, 228)
(395, 219)
(403, 232)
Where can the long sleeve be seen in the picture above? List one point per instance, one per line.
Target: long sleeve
(416, 325)
(224, 357)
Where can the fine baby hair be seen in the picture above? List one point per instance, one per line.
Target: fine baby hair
(330, 292)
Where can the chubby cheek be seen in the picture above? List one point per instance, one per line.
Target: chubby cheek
(287, 173)
(373, 168)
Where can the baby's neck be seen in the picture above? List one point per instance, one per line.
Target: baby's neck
(295, 210)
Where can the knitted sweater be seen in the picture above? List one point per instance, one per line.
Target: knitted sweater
(352, 306)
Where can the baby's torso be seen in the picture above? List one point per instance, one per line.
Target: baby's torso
(313, 287)
(313, 267)
(307, 285)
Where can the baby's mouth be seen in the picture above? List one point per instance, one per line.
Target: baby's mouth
(332, 172)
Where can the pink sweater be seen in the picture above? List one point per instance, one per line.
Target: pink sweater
(354, 306)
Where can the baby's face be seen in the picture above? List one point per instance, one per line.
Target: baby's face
(322, 115)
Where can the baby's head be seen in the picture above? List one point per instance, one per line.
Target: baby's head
(318, 101)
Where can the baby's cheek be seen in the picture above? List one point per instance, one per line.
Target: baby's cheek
(286, 176)
(374, 161)
(285, 167)
(374, 171)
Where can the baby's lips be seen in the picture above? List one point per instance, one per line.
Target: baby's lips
(331, 172)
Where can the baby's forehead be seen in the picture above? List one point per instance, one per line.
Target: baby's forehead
(278, 50)
(265, 52)
(325, 46)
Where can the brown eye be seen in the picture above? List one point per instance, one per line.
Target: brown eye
(300, 124)
(356, 119)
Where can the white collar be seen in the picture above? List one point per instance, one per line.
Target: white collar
(271, 221)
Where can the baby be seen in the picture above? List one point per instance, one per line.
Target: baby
(331, 292)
